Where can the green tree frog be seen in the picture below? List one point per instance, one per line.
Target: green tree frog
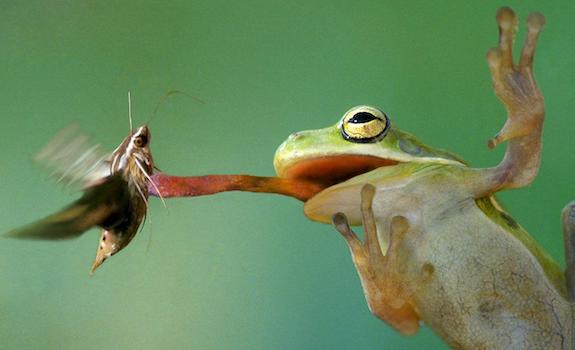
(438, 248)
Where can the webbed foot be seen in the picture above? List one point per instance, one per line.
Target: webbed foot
(515, 86)
(383, 290)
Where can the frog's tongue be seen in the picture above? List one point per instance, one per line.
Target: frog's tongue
(302, 180)
(192, 186)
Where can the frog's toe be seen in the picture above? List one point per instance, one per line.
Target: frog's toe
(342, 226)
(507, 21)
(535, 23)
(399, 226)
(369, 226)
(509, 131)
(494, 61)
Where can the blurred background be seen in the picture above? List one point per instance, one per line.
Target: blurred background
(242, 270)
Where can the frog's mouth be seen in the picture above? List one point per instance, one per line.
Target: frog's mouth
(330, 170)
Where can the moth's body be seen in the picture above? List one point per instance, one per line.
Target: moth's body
(130, 161)
(115, 191)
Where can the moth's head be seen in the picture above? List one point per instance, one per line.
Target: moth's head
(139, 146)
(134, 149)
(141, 137)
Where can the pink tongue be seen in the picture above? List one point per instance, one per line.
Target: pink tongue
(192, 186)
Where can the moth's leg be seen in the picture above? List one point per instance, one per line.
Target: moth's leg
(568, 220)
(515, 86)
(379, 276)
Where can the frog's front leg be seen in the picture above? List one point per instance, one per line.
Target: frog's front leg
(381, 283)
(515, 86)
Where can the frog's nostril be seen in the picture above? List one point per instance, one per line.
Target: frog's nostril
(295, 135)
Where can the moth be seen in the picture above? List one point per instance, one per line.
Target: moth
(115, 190)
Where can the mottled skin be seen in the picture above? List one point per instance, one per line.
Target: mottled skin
(437, 247)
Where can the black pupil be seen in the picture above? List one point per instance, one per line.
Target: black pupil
(141, 140)
(362, 117)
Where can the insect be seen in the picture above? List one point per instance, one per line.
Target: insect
(115, 189)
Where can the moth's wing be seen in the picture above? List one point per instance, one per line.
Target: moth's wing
(74, 160)
(101, 205)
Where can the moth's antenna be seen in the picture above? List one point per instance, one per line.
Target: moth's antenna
(130, 111)
(165, 97)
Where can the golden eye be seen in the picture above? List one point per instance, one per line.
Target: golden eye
(140, 141)
(364, 125)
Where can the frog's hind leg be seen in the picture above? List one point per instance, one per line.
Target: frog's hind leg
(515, 86)
(568, 220)
(382, 287)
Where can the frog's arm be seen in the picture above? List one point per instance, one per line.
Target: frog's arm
(515, 86)
(380, 274)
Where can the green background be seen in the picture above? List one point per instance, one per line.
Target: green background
(242, 270)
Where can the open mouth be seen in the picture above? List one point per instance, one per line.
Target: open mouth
(331, 170)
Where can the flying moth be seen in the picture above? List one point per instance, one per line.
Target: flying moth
(115, 189)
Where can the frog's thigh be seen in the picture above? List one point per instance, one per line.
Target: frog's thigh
(383, 288)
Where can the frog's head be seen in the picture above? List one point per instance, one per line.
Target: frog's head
(363, 140)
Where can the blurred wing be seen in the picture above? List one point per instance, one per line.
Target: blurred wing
(100, 205)
(74, 160)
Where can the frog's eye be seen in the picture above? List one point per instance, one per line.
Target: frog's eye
(140, 141)
(364, 125)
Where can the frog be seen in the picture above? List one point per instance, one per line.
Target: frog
(438, 248)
